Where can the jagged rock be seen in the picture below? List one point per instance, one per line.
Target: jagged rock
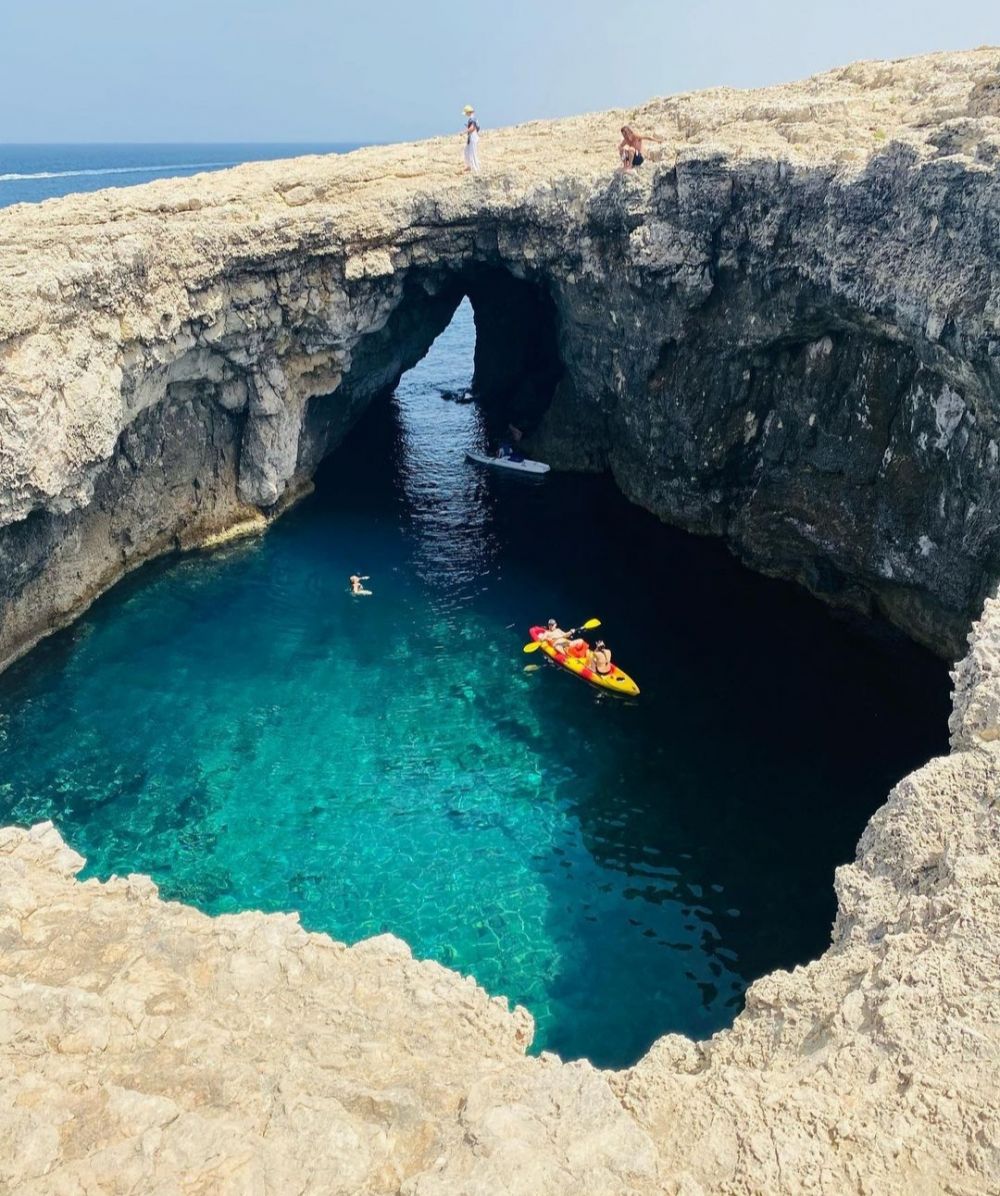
(787, 332)
(784, 330)
(147, 1047)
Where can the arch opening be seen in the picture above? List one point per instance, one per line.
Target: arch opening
(517, 363)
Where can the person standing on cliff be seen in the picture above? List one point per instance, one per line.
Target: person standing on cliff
(471, 140)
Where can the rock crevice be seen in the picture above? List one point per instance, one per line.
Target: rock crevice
(786, 331)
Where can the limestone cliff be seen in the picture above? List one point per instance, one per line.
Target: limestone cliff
(785, 331)
(148, 1048)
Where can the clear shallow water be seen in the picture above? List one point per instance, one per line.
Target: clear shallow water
(242, 729)
(29, 173)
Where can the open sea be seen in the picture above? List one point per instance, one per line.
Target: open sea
(241, 728)
(29, 173)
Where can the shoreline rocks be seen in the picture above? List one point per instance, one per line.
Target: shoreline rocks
(785, 333)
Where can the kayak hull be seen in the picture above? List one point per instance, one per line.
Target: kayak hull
(535, 467)
(616, 682)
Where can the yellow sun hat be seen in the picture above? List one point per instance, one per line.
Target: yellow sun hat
(468, 108)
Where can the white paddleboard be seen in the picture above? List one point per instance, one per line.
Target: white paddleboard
(506, 463)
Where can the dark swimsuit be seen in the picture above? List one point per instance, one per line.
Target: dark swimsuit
(638, 159)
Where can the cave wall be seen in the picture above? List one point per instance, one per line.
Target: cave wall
(802, 359)
(820, 446)
(739, 355)
(170, 484)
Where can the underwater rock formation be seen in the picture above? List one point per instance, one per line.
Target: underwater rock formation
(147, 1047)
(785, 331)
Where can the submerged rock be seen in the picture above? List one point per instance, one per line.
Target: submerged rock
(786, 331)
(150, 1047)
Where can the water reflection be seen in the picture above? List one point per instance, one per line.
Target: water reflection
(447, 502)
(251, 735)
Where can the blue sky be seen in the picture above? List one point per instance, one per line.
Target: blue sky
(323, 70)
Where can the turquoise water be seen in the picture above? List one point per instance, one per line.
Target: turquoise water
(242, 729)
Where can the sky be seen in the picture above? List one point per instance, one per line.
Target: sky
(386, 70)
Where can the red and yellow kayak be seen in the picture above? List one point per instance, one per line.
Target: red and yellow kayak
(617, 681)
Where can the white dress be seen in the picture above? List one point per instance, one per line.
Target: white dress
(472, 147)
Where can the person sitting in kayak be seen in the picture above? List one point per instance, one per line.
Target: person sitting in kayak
(356, 586)
(554, 635)
(600, 659)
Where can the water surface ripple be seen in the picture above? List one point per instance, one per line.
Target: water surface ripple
(243, 730)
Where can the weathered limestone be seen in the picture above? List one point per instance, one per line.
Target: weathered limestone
(147, 1048)
(785, 331)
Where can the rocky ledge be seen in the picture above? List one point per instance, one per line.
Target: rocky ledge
(149, 1048)
(785, 330)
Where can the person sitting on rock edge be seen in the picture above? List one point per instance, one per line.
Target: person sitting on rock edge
(630, 147)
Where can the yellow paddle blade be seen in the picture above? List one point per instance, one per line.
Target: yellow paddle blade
(590, 624)
(532, 647)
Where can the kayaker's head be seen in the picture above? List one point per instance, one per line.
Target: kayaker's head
(600, 644)
(552, 624)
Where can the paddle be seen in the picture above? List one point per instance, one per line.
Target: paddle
(588, 626)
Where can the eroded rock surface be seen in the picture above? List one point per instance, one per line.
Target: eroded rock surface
(149, 1048)
(786, 331)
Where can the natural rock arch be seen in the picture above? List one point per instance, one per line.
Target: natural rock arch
(825, 235)
(786, 340)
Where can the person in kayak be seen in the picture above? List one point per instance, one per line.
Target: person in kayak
(356, 586)
(554, 635)
(600, 659)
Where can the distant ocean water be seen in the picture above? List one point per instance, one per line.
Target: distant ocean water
(29, 173)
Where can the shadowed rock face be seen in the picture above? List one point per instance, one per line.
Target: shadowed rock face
(785, 332)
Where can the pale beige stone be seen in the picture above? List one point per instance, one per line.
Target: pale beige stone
(145, 1048)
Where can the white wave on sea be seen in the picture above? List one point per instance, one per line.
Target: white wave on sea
(67, 174)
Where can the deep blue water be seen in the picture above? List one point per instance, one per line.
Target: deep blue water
(241, 728)
(32, 172)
